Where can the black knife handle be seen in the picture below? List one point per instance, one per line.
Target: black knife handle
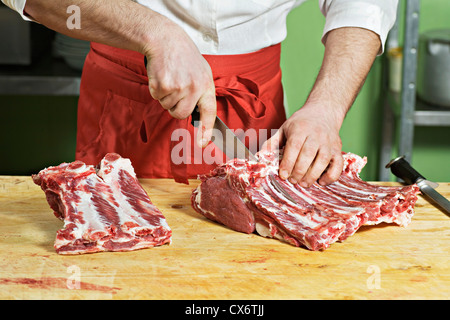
(402, 169)
(195, 117)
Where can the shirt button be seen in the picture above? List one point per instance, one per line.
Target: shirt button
(208, 36)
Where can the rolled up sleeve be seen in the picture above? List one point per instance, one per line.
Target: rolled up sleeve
(17, 5)
(377, 15)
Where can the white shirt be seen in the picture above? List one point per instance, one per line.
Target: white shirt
(242, 26)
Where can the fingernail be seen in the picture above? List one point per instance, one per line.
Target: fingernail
(204, 142)
(205, 139)
(293, 181)
(304, 184)
(283, 174)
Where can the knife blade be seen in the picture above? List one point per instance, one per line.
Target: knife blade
(225, 139)
(229, 143)
(401, 168)
(233, 147)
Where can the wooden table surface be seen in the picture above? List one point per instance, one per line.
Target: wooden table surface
(209, 261)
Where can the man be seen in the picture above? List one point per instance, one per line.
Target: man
(222, 56)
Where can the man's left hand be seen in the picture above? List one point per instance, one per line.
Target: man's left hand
(312, 147)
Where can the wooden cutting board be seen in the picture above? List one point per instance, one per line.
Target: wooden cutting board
(209, 261)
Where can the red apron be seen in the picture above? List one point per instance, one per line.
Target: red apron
(116, 112)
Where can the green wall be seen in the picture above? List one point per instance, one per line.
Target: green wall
(361, 132)
(36, 132)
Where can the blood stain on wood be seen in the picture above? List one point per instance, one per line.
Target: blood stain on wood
(260, 260)
(52, 283)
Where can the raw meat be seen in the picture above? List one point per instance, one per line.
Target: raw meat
(104, 209)
(239, 195)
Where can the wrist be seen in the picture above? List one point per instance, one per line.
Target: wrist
(160, 33)
(332, 112)
(151, 36)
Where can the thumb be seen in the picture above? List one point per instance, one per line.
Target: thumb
(207, 106)
(273, 143)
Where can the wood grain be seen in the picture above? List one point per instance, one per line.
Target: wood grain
(209, 261)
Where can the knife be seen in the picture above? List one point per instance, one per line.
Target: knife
(235, 149)
(402, 169)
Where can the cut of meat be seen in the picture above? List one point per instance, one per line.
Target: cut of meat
(104, 209)
(239, 194)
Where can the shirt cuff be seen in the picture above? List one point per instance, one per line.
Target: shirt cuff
(17, 5)
(374, 17)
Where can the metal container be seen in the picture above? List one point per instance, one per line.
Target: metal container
(433, 70)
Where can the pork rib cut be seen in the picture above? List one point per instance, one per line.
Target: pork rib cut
(104, 208)
(239, 195)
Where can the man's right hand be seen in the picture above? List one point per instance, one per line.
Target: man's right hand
(181, 79)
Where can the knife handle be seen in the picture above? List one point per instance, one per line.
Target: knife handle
(195, 117)
(402, 169)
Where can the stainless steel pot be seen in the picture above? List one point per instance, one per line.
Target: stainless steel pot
(433, 70)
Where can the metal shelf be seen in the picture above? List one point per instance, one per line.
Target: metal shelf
(405, 109)
(425, 114)
(47, 76)
(430, 115)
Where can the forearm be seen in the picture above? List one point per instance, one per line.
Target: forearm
(119, 23)
(349, 55)
(179, 76)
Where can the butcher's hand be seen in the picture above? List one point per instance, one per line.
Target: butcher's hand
(312, 146)
(311, 135)
(181, 79)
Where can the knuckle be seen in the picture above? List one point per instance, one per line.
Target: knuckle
(287, 164)
(208, 112)
(309, 151)
(168, 102)
(181, 111)
(298, 174)
(175, 113)
(198, 83)
(295, 141)
(167, 87)
(154, 90)
(165, 105)
(328, 178)
(310, 178)
(334, 175)
(183, 114)
(323, 160)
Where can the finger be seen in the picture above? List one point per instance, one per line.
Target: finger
(304, 160)
(334, 170)
(290, 154)
(170, 101)
(183, 108)
(273, 143)
(316, 169)
(207, 106)
(162, 87)
(156, 89)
